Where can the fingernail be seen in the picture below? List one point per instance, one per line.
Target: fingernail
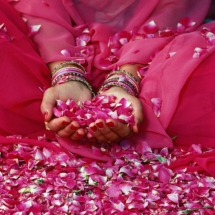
(65, 123)
(110, 124)
(72, 127)
(93, 128)
(45, 114)
(100, 124)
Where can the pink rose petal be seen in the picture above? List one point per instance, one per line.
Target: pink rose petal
(173, 197)
(65, 53)
(157, 102)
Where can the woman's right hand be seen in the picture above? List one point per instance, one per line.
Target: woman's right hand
(63, 126)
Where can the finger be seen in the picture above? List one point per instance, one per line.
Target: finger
(122, 130)
(79, 134)
(106, 131)
(69, 130)
(57, 124)
(48, 103)
(96, 131)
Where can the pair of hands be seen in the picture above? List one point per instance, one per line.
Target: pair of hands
(101, 130)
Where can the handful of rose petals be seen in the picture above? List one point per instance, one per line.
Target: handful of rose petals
(100, 107)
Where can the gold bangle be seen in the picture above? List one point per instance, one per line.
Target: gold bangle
(61, 65)
(123, 72)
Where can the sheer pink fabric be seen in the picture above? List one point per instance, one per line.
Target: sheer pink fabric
(187, 111)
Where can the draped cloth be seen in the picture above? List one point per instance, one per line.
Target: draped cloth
(184, 84)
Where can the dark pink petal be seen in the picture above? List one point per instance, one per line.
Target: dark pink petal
(167, 32)
(114, 191)
(184, 23)
(143, 147)
(150, 28)
(70, 184)
(165, 174)
(187, 22)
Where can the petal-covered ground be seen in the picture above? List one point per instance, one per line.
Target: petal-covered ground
(36, 180)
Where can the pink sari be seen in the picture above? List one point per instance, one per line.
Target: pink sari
(187, 111)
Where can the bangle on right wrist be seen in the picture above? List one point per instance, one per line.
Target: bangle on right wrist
(65, 73)
(121, 79)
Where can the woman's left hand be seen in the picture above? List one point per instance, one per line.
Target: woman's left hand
(111, 129)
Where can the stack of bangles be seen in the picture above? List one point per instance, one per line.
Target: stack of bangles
(70, 71)
(123, 79)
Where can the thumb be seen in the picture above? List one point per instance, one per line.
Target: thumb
(48, 103)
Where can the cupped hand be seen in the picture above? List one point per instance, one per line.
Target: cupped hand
(111, 129)
(63, 126)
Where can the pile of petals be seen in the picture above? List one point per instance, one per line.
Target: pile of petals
(100, 107)
(36, 180)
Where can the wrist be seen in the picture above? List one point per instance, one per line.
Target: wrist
(69, 71)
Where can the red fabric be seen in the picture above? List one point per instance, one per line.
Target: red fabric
(23, 72)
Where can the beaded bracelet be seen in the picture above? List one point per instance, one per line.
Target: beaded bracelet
(123, 79)
(122, 72)
(124, 83)
(126, 79)
(68, 63)
(107, 86)
(69, 77)
(66, 70)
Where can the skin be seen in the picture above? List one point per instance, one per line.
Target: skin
(101, 130)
